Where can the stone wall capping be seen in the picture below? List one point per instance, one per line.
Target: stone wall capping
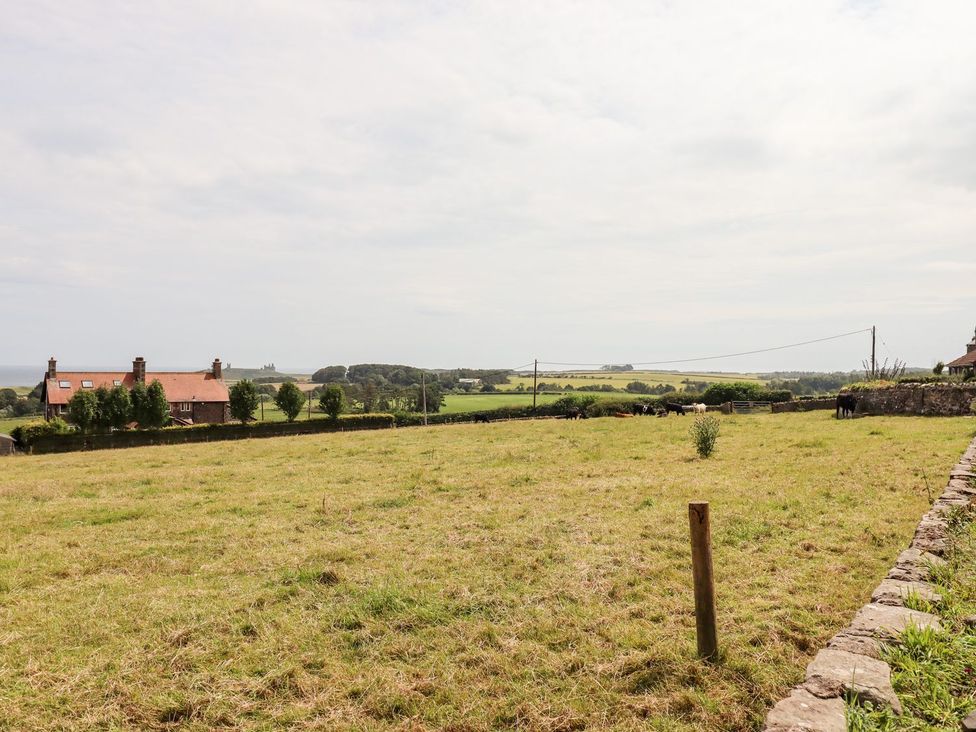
(801, 711)
(835, 672)
(895, 592)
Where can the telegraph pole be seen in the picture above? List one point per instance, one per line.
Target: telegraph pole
(874, 363)
(423, 393)
(535, 382)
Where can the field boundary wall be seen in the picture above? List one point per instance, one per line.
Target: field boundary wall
(929, 400)
(805, 405)
(851, 663)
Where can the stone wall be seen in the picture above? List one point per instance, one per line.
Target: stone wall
(851, 662)
(937, 400)
(805, 405)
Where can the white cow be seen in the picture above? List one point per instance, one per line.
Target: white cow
(700, 408)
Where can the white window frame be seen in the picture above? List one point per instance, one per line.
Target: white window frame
(185, 407)
(87, 384)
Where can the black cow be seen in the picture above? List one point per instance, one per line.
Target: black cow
(846, 404)
(672, 407)
(638, 409)
(482, 418)
(574, 413)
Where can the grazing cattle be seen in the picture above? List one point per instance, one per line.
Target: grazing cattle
(700, 408)
(672, 407)
(638, 409)
(574, 413)
(482, 418)
(846, 404)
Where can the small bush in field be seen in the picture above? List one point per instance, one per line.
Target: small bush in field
(704, 433)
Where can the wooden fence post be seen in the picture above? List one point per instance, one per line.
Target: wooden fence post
(701, 563)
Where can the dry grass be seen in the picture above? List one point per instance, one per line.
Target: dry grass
(524, 575)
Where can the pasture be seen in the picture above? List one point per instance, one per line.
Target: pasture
(620, 379)
(463, 403)
(530, 575)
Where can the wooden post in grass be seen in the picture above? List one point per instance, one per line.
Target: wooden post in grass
(535, 382)
(701, 564)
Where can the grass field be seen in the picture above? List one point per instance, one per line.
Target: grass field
(530, 575)
(463, 403)
(620, 379)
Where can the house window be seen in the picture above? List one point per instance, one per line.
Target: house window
(116, 382)
(86, 384)
(64, 384)
(185, 406)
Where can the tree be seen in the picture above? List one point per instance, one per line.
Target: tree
(329, 374)
(8, 397)
(370, 396)
(157, 407)
(115, 409)
(101, 395)
(140, 403)
(243, 400)
(333, 401)
(290, 400)
(938, 368)
(83, 409)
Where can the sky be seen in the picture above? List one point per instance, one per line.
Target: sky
(482, 184)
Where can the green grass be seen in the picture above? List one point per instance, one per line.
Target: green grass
(531, 575)
(934, 672)
(461, 403)
(6, 425)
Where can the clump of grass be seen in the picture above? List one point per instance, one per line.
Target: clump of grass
(704, 433)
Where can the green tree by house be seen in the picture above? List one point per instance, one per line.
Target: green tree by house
(333, 401)
(290, 400)
(243, 400)
(115, 408)
(83, 409)
(150, 407)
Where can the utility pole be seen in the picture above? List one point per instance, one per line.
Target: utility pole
(874, 363)
(262, 406)
(535, 382)
(310, 404)
(423, 393)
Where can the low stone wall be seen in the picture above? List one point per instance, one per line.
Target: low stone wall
(936, 400)
(805, 405)
(851, 662)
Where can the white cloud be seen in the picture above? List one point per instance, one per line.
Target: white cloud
(486, 182)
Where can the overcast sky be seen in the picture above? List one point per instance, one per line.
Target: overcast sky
(482, 184)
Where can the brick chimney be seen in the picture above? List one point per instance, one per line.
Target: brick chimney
(139, 369)
(218, 369)
(52, 368)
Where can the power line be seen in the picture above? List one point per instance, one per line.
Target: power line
(714, 358)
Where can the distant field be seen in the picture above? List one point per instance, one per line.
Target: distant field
(459, 403)
(8, 424)
(530, 575)
(620, 379)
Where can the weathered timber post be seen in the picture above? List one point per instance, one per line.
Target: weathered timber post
(701, 564)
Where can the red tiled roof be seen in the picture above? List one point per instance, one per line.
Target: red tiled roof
(180, 386)
(968, 360)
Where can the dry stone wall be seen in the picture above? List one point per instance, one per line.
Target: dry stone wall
(942, 400)
(851, 662)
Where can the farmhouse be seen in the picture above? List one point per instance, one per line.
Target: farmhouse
(965, 364)
(194, 397)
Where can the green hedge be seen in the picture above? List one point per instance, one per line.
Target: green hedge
(26, 434)
(206, 433)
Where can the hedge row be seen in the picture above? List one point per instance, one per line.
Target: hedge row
(204, 433)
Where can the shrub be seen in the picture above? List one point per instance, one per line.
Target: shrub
(333, 400)
(735, 391)
(25, 434)
(938, 368)
(704, 433)
(290, 400)
(243, 400)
